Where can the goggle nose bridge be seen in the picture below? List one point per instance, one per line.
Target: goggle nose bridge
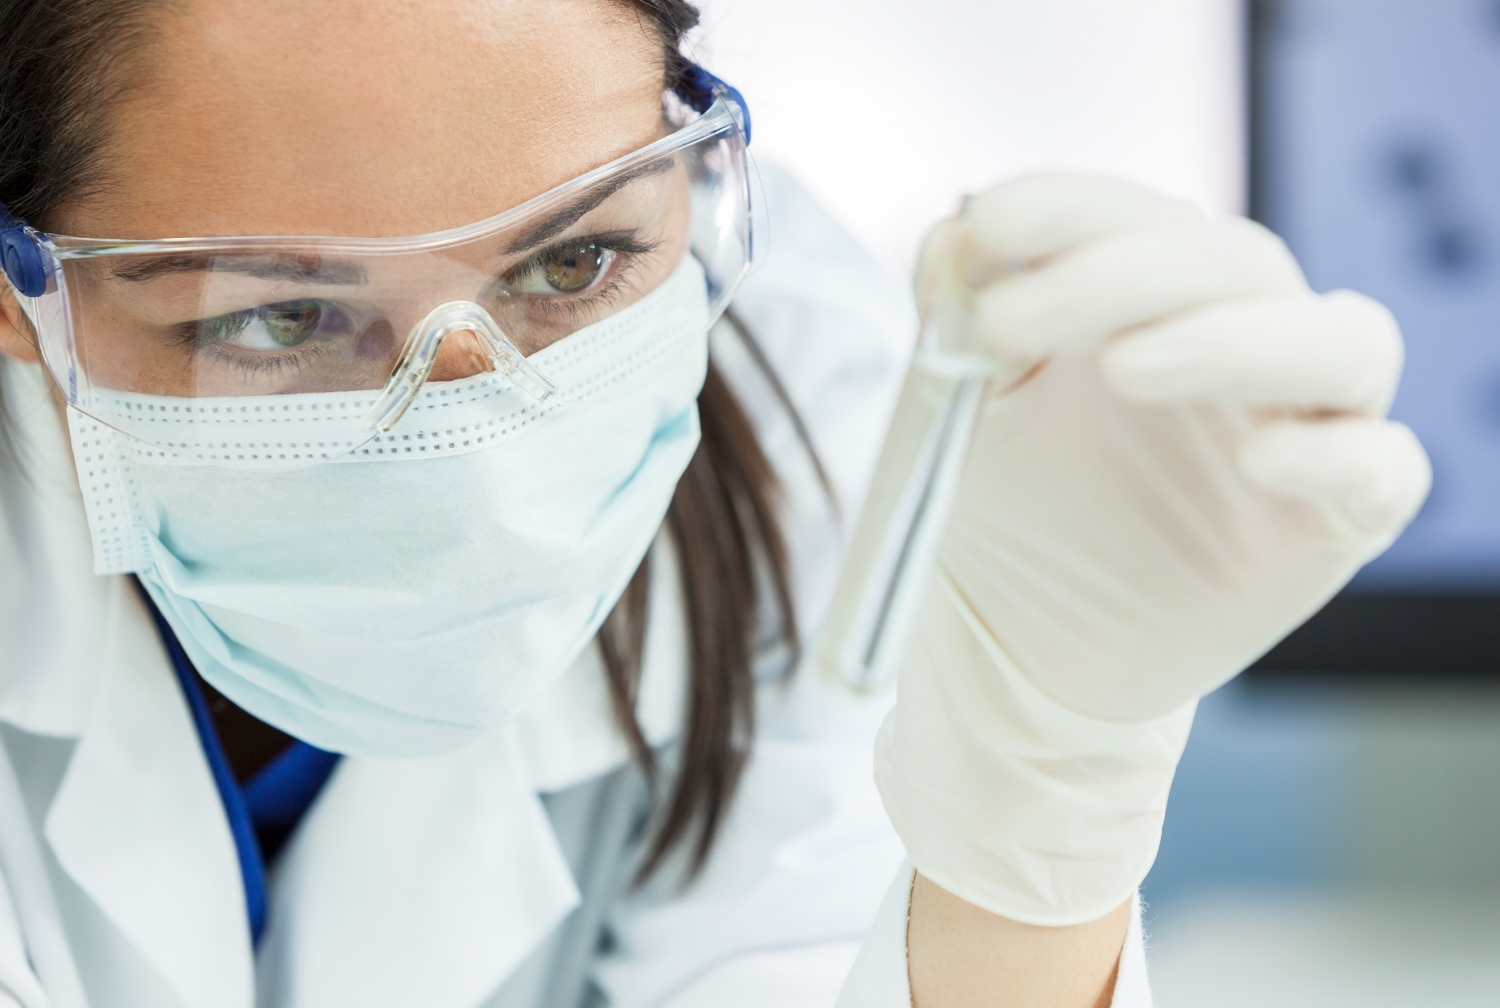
(422, 346)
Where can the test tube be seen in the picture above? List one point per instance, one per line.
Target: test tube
(893, 552)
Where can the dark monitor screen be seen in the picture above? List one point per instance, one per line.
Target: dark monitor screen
(1375, 139)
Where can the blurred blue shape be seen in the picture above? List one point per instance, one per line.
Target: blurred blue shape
(1261, 796)
(1378, 159)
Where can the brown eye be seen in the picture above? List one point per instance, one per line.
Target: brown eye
(572, 269)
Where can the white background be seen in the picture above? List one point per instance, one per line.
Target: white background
(890, 110)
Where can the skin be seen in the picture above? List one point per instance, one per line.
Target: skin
(960, 956)
(375, 118)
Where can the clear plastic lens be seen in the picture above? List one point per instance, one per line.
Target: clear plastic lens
(193, 329)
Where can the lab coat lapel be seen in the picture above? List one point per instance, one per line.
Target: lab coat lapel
(138, 825)
(414, 882)
(53, 610)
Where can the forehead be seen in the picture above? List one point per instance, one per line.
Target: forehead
(369, 117)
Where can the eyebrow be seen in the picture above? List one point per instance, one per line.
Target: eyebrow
(301, 267)
(310, 267)
(569, 215)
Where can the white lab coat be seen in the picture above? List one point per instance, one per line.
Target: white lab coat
(427, 882)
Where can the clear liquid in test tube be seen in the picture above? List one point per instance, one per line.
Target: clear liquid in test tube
(893, 553)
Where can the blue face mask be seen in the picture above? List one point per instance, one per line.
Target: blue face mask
(408, 598)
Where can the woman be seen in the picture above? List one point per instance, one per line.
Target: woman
(415, 619)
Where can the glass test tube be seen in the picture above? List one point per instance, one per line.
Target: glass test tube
(894, 549)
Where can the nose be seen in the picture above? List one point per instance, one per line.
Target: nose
(463, 354)
(478, 345)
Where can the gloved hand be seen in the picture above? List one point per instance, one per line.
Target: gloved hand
(1197, 462)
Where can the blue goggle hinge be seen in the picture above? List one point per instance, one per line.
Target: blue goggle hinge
(701, 88)
(24, 259)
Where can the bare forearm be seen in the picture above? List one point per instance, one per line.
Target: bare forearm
(965, 957)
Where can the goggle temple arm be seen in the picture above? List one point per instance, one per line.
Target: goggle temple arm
(700, 88)
(22, 256)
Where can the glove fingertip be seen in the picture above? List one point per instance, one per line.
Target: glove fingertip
(1038, 215)
(1376, 472)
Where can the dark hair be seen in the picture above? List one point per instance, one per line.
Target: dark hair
(723, 519)
(65, 63)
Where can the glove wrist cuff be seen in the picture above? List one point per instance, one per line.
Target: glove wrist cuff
(1007, 798)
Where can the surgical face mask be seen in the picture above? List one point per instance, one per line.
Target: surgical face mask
(412, 595)
(373, 561)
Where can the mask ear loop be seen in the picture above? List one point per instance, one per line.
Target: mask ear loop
(427, 337)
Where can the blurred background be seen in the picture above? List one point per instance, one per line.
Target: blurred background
(1332, 834)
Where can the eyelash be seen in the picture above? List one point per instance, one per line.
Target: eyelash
(625, 244)
(252, 364)
(197, 337)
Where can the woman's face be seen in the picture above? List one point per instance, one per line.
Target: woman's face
(368, 118)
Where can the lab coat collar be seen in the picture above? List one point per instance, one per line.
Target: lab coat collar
(54, 611)
(136, 822)
(429, 881)
(415, 882)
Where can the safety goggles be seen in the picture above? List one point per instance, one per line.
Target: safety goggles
(163, 339)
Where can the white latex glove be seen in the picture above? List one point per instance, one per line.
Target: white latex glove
(1199, 461)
